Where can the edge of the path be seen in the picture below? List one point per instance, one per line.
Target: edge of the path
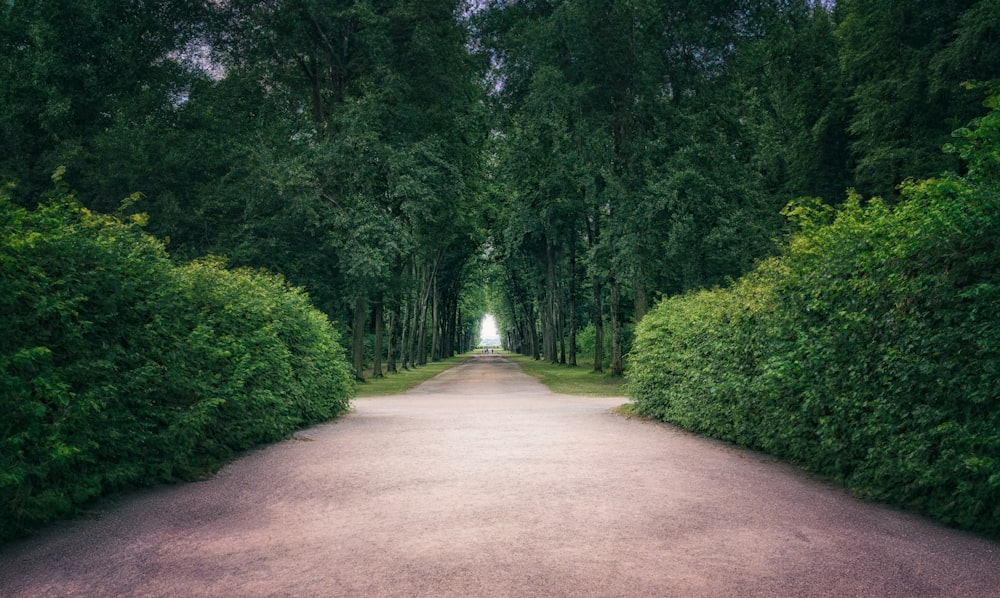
(570, 380)
(392, 383)
(558, 378)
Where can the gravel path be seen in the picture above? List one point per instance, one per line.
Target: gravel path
(482, 483)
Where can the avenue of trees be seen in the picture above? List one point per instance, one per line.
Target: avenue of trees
(390, 170)
(336, 143)
(581, 158)
(642, 149)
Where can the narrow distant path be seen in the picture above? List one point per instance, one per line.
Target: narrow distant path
(482, 483)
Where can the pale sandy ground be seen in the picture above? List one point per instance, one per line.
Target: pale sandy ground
(482, 483)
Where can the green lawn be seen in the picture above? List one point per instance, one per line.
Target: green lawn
(391, 384)
(580, 380)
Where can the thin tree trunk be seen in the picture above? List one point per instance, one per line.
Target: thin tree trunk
(377, 347)
(617, 368)
(421, 332)
(404, 328)
(598, 328)
(413, 327)
(549, 317)
(358, 346)
(572, 309)
(450, 326)
(394, 318)
(561, 330)
(436, 322)
(416, 290)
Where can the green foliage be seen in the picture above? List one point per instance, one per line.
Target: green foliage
(869, 352)
(586, 340)
(120, 368)
(695, 356)
(905, 63)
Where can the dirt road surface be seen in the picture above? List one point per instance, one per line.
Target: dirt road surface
(482, 483)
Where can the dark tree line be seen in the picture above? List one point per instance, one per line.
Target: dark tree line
(646, 148)
(597, 154)
(338, 143)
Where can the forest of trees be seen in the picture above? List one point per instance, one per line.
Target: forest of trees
(413, 165)
(642, 149)
(336, 143)
(581, 159)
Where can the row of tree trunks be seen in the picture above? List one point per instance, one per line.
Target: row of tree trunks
(546, 327)
(429, 307)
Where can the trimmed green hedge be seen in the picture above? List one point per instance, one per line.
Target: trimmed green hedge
(120, 368)
(869, 352)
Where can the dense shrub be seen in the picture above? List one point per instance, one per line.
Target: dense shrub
(868, 352)
(120, 368)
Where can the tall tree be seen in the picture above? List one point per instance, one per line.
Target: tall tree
(78, 79)
(906, 62)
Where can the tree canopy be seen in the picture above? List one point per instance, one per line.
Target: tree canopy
(580, 159)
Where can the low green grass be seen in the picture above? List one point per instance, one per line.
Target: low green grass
(580, 380)
(404, 380)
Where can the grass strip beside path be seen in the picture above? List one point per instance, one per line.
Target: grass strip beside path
(569, 380)
(402, 381)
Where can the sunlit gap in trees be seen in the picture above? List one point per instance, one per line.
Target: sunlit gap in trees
(488, 334)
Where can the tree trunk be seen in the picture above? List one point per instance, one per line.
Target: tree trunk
(641, 304)
(532, 322)
(549, 317)
(421, 332)
(572, 309)
(561, 330)
(451, 326)
(390, 362)
(413, 327)
(546, 340)
(598, 327)
(358, 346)
(377, 347)
(617, 368)
(436, 322)
(404, 327)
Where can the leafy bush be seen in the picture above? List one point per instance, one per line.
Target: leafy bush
(869, 352)
(121, 368)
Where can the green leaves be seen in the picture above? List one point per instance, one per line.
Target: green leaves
(120, 368)
(906, 102)
(867, 352)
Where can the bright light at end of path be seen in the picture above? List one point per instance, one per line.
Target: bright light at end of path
(488, 334)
